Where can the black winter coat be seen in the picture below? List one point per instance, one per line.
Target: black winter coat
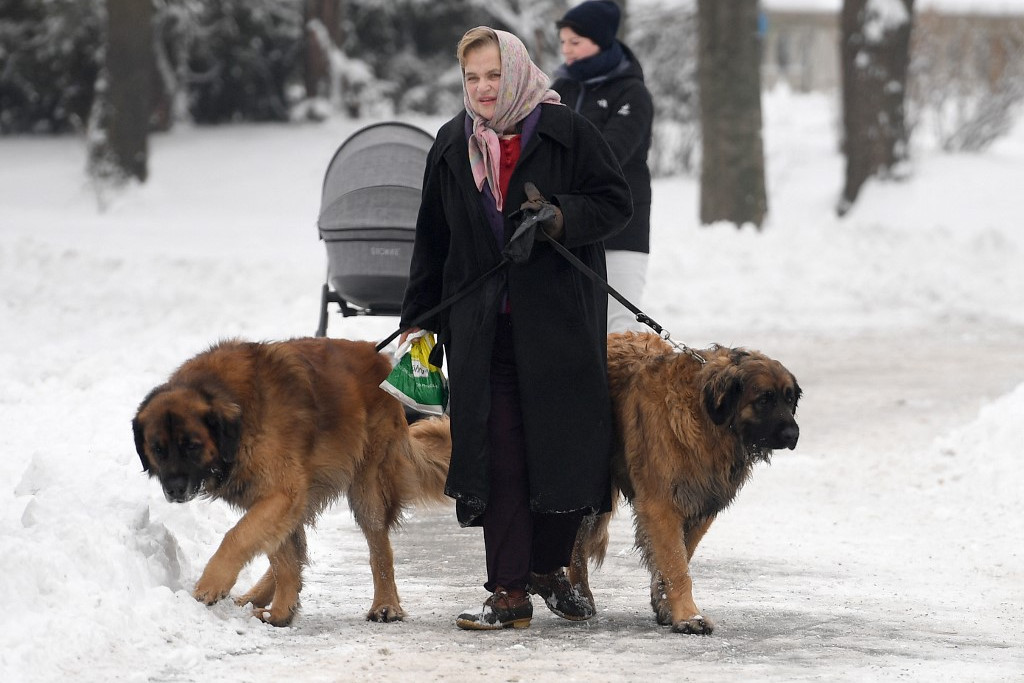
(558, 315)
(620, 105)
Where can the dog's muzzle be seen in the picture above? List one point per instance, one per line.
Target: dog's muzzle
(788, 436)
(179, 489)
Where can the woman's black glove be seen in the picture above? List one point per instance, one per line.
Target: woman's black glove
(551, 227)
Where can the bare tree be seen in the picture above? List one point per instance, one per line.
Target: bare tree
(175, 30)
(732, 186)
(966, 78)
(665, 41)
(322, 36)
(875, 37)
(118, 149)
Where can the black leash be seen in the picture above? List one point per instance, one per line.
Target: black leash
(641, 317)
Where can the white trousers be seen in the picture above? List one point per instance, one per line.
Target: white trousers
(627, 274)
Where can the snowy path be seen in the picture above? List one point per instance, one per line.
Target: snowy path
(827, 566)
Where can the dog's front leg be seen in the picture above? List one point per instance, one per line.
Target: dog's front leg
(694, 534)
(261, 529)
(286, 563)
(668, 560)
(262, 592)
(281, 583)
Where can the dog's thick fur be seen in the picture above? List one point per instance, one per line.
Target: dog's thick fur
(280, 430)
(688, 435)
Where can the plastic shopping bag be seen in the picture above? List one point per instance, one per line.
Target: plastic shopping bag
(413, 380)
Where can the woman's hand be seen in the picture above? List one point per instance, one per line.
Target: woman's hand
(551, 228)
(411, 330)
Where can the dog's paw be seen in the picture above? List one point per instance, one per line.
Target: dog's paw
(275, 617)
(695, 625)
(214, 585)
(209, 594)
(385, 613)
(256, 598)
(659, 603)
(247, 599)
(662, 612)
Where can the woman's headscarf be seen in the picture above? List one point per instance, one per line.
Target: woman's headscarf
(523, 86)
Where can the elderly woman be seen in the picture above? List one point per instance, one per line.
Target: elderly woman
(530, 410)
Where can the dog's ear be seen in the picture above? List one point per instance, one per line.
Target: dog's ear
(139, 432)
(797, 393)
(722, 394)
(225, 424)
(140, 443)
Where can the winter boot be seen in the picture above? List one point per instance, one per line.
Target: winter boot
(504, 609)
(561, 597)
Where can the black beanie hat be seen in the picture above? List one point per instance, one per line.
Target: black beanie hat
(594, 19)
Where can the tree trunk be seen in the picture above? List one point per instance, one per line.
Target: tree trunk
(732, 184)
(875, 58)
(119, 144)
(322, 23)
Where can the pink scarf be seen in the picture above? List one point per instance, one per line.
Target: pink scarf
(523, 87)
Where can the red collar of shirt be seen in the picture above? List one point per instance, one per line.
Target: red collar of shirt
(510, 148)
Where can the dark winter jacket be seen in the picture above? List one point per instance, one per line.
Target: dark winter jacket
(619, 104)
(558, 315)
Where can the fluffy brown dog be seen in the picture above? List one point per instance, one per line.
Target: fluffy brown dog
(280, 430)
(688, 436)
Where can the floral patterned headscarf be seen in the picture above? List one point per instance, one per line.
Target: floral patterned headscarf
(522, 88)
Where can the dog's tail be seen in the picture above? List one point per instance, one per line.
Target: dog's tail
(431, 441)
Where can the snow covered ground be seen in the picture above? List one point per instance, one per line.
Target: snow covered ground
(885, 547)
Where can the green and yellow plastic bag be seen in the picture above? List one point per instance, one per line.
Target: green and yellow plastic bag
(413, 380)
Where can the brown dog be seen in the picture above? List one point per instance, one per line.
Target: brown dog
(689, 434)
(280, 430)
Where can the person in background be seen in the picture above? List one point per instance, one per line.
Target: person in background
(529, 403)
(602, 80)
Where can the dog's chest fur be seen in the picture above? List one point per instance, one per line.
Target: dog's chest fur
(700, 466)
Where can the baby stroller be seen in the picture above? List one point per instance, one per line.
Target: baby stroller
(368, 208)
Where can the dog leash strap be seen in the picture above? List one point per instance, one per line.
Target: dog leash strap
(447, 303)
(641, 317)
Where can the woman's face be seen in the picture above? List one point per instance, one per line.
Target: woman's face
(482, 76)
(574, 46)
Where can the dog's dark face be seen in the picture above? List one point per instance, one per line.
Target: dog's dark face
(187, 439)
(756, 396)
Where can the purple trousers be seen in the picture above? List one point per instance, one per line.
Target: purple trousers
(516, 540)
